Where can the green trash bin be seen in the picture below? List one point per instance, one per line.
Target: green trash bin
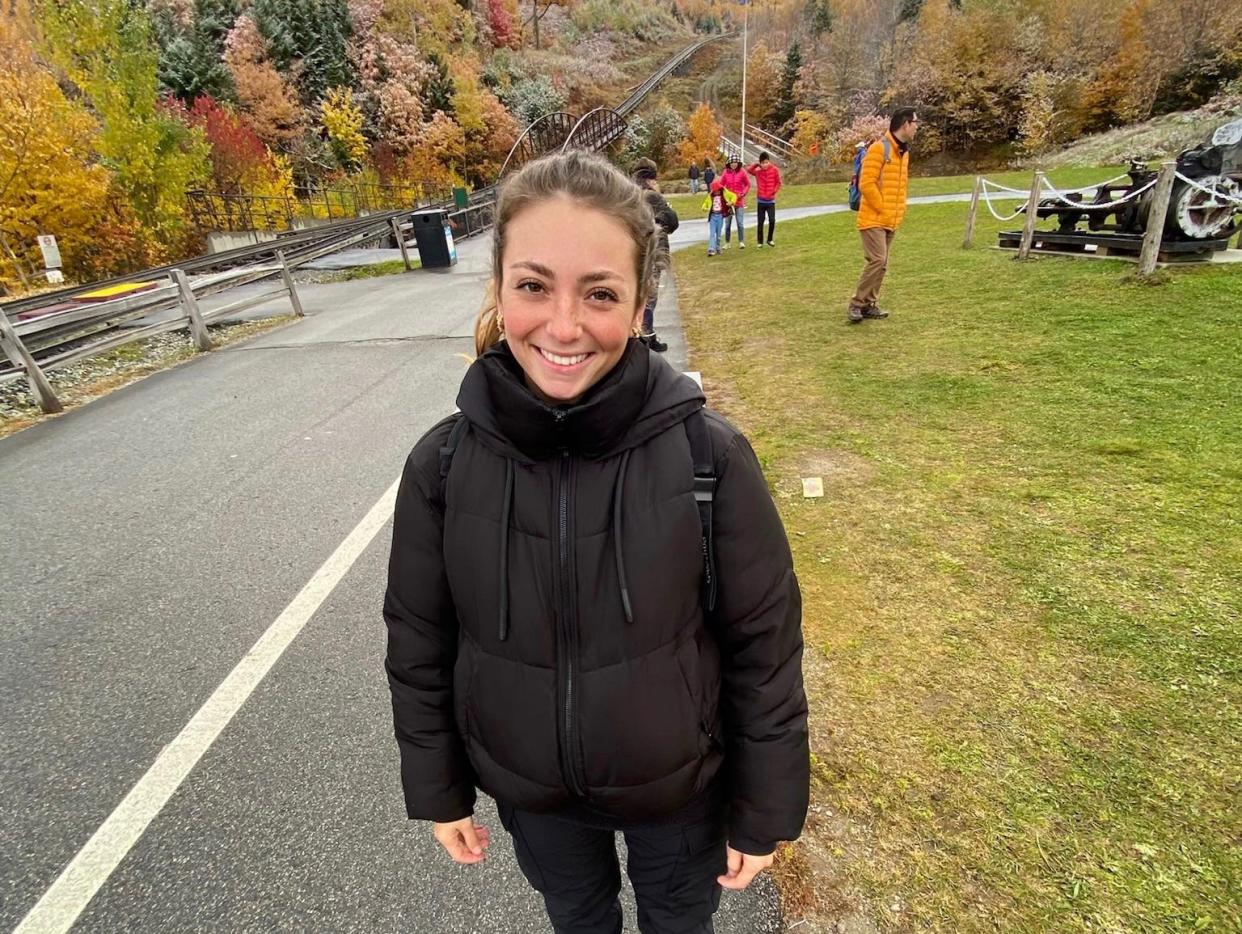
(434, 237)
(461, 199)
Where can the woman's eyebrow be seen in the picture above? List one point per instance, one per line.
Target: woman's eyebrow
(602, 275)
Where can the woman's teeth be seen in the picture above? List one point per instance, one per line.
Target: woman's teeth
(563, 361)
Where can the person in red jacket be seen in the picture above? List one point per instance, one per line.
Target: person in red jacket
(767, 184)
(738, 182)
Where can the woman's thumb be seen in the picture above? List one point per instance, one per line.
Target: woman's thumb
(471, 839)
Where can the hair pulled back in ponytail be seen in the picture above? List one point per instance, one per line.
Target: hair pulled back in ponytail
(592, 181)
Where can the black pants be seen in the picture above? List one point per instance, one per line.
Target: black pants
(574, 867)
(767, 208)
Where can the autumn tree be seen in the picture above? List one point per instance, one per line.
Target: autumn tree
(50, 182)
(763, 84)
(703, 132)
(342, 122)
(103, 48)
(268, 100)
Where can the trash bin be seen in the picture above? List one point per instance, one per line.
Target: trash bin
(434, 238)
(461, 199)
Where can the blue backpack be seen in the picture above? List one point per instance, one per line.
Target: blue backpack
(855, 191)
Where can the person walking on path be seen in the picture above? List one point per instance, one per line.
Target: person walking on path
(883, 183)
(666, 222)
(694, 178)
(738, 182)
(767, 184)
(592, 610)
(709, 173)
(718, 204)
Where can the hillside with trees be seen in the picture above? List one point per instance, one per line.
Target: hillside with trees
(112, 112)
(118, 117)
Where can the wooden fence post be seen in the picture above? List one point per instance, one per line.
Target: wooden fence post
(1032, 205)
(198, 330)
(974, 211)
(17, 352)
(405, 253)
(293, 292)
(1155, 218)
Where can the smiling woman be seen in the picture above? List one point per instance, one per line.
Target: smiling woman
(592, 612)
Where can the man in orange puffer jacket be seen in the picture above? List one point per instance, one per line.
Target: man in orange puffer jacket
(883, 182)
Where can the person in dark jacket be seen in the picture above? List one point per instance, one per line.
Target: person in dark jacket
(555, 638)
(667, 221)
(709, 173)
(694, 178)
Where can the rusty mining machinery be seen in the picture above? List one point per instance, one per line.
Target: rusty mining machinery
(1204, 210)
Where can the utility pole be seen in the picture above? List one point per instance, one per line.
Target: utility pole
(745, 26)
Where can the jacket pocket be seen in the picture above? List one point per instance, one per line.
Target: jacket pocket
(688, 663)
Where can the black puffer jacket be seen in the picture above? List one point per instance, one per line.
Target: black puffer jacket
(546, 638)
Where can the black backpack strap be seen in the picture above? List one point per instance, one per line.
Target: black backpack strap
(704, 492)
(450, 446)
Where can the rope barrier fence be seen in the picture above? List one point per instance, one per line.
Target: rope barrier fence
(987, 190)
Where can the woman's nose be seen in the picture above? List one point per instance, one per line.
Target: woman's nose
(566, 323)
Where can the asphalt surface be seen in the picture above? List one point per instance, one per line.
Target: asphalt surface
(151, 538)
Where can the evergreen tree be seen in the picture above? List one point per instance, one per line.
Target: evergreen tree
(191, 59)
(786, 102)
(818, 17)
(439, 88)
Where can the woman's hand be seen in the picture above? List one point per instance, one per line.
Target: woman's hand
(464, 840)
(742, 868)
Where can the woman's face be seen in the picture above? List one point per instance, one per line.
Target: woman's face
(569, 295)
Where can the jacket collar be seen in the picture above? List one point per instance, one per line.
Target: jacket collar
(636, 399)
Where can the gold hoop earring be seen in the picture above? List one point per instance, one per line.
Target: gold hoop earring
(635, 331)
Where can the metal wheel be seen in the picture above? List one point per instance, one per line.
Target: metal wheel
(1197, 215)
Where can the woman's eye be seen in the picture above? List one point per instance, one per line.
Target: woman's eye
(530, 285)
(604, 295)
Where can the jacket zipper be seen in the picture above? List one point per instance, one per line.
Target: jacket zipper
(568, 642)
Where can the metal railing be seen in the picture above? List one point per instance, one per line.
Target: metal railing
(36, 343)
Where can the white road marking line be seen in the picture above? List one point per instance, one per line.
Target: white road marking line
(77, 884)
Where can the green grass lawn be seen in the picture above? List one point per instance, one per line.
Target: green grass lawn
(796, 196)
(1023, 585)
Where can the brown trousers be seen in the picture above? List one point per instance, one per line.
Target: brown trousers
(876, 241)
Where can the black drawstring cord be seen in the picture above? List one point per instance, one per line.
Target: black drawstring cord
(504, 550)
(617, 495)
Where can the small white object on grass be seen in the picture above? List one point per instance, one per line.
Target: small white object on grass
(812, 487)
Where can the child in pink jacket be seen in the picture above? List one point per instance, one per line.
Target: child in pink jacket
(737, 181)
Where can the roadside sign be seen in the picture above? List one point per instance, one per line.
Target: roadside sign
(51, 252)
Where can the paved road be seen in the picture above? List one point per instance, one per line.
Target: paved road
(151, 538)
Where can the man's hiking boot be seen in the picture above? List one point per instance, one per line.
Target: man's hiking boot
(873, 312)
(855, 314)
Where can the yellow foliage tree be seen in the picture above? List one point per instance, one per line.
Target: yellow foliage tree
(342, 120)
(703, 132)
(811, 131)
(50, 182)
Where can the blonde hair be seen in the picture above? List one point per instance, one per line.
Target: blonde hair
(592, 181)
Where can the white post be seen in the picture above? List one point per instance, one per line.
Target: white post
(974, 211)
(1032, 203)
(21, 357)
(1155, 218)
(198, 330)
(293, 292)
(745, 24)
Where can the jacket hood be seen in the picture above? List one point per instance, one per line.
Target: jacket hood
(637, 399)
